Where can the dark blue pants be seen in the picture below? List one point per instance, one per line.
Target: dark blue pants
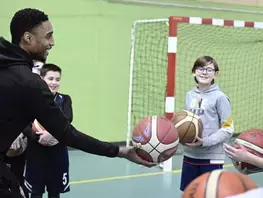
(193, 168)
(47, 168)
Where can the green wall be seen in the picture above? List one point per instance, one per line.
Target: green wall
(92, 45)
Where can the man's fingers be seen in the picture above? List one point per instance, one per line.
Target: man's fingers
(147, 164)
(137, 145)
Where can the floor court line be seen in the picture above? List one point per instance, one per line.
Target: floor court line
(132, 176)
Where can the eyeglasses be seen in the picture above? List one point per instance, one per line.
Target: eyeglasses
(208, 70)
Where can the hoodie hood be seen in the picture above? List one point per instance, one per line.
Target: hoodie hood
(11, 55)
(213, 87)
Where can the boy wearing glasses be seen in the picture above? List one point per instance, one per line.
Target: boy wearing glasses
(213, 107)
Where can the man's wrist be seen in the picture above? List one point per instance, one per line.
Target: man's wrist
(121, 152)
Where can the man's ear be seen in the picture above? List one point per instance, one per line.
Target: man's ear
(27, 37)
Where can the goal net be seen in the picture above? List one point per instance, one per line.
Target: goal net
(163, 52)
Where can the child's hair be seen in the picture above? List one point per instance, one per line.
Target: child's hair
(204, 61)
(49, 67)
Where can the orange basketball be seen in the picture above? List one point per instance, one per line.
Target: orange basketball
(189, 126)
(37, 127)
(252, 140)
(219, 184)
(158, 138)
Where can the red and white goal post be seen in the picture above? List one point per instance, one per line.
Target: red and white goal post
(161, 60)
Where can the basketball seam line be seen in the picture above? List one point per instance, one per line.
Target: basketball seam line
(187, 128)
(206, 185)
(243, 183)
(154, 148)
(162, 140)
(147, 138)
(217, 185)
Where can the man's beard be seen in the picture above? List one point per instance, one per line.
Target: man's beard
(38, 57)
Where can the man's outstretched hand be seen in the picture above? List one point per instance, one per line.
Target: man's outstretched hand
(130, 154)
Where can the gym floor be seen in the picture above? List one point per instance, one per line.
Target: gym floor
(94, 176)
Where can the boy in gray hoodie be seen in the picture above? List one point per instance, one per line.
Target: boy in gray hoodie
(213, 106)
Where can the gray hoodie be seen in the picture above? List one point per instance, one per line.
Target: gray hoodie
(214, 109)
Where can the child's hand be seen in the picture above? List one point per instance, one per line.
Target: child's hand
(238, 154)
(198, 142)
(240, 169)
(17, 144)
(46, 139)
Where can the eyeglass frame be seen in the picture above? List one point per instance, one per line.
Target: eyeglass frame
(202, 69)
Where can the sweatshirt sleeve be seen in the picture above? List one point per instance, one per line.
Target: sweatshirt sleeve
(49, 115)
(223, 107)
(67, 107)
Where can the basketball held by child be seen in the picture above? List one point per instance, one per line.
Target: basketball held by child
(189, 126)
(37, 127)
(158, 139)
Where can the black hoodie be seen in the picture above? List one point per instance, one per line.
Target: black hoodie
(24, 96)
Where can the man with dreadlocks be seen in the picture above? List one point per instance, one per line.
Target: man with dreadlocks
(25, 97)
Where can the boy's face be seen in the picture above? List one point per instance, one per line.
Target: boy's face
(205, 75)
(52, 79)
